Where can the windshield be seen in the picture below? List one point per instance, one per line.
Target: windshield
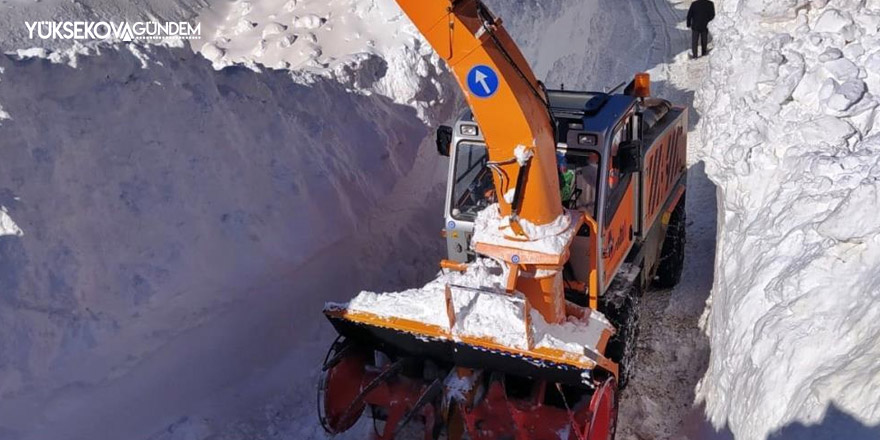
(472, 188)
(578, 179)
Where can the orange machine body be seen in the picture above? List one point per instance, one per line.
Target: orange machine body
(515, 114)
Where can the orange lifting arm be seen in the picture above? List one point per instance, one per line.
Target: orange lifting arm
(510, 107)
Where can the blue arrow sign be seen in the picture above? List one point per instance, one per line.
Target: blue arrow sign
(482, 81)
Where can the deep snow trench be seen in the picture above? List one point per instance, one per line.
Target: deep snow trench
(170, 231)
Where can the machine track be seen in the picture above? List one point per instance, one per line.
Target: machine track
(620, 306)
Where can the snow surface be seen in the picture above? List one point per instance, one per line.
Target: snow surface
(355, 40)
(209, 351)
(482, 309)
(458, 387)
(791, 139)
(497, 316)
(491, 228)
(523, 154)
(428, 304)
(7, 225)
(182, 227)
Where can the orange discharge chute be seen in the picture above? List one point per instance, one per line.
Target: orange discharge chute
(503, 93)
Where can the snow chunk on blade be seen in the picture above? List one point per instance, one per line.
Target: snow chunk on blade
(491, 228)
(472, 308)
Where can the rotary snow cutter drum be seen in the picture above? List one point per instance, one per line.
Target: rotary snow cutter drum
(460, 402)
(352, 379)
(341, 378)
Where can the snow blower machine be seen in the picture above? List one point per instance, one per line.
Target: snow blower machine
(562, 207)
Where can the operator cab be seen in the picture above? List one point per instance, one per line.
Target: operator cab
(581, 139)
(594, 143)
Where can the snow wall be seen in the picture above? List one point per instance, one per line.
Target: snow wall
(170, 232)
(791, 140)
(174, 229)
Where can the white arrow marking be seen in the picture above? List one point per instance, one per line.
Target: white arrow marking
(480, 77)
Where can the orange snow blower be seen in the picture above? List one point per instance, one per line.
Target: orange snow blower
(562, 206)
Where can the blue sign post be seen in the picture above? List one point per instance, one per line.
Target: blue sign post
(482, 81)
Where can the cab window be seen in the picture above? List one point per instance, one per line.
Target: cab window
(472, 189)
(617, 181)
(578, 180)
(613, 172)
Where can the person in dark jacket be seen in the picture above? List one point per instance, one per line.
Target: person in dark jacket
(700, 14)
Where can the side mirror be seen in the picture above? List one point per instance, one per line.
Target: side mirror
(444, 140)
(629, 157)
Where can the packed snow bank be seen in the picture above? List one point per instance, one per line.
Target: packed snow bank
(165, 208)
(552, 238)
(353, 40)
(790, 113)
(7, 225)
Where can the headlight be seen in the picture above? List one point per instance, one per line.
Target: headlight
(469, 130)
(587, 139)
